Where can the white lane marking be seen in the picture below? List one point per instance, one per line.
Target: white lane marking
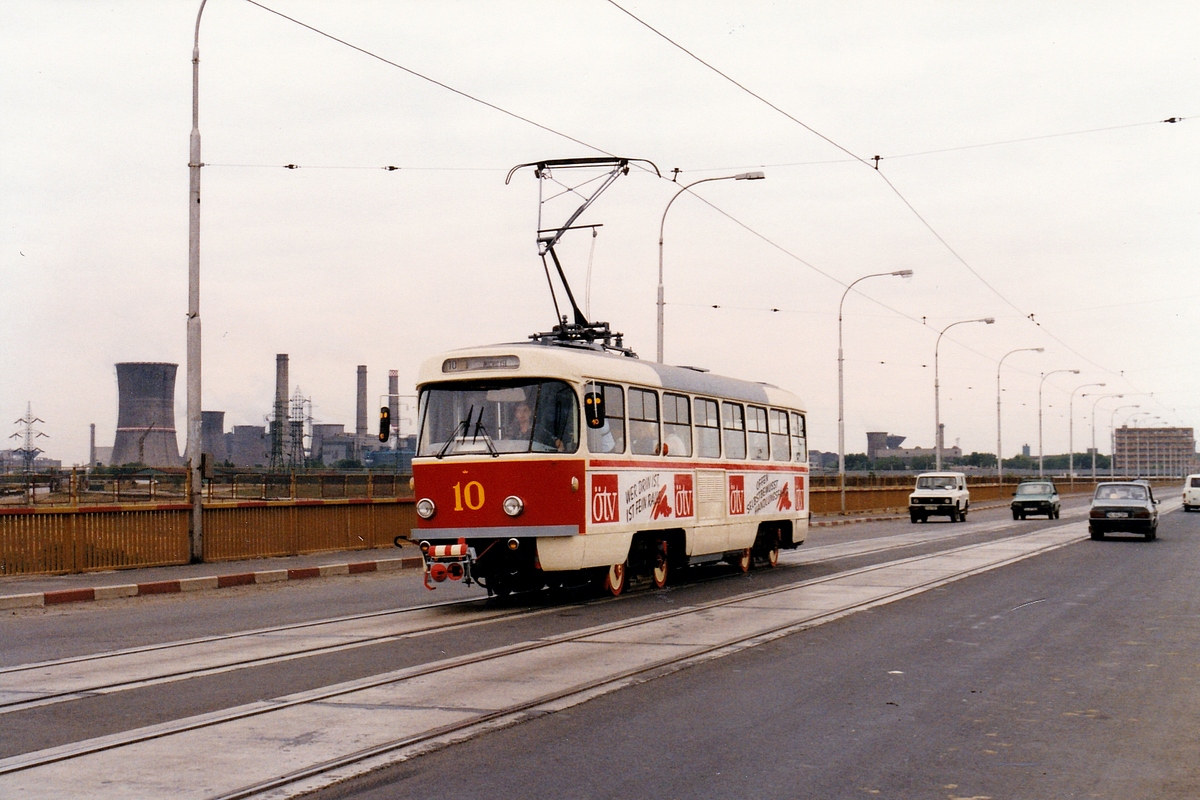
(368, 713)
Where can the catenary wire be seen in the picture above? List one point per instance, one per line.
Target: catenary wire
(434, 81)
(781, 111)
(874, 166)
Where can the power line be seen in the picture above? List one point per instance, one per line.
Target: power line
(978, 145)
(434, 81)
(875, 166)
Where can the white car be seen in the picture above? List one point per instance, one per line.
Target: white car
(1191, 493)
(940, 494)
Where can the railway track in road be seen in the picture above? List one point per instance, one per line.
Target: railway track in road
(28, 686)
(297, 743)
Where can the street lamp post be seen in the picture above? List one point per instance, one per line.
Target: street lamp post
(1112, 437)
(743, 176)
(1071, 432)
(1136, 441)
(937, 407)
(999, 451)
(1040, 385)
(1095, 403)
(900, 273)
(194, 447)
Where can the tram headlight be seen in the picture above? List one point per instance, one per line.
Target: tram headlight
(513, 505)
(425, 508)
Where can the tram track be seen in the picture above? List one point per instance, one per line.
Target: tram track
(571, 668)
(28, 686)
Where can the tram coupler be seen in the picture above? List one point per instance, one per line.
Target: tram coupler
(446, 562)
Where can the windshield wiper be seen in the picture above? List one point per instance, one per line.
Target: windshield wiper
(479, 428)
(463, 426)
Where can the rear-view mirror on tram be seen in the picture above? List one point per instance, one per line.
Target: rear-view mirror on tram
(593, 409)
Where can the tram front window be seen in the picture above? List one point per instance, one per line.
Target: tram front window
(498, 417)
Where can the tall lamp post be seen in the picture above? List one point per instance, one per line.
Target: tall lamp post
(1095, 403)
(1040, 385)
(1136, 441)
(743, 176)
(900, 273)
(194, 447)
(937, 406)
(1112, 438)
(1071, 432)
(999, 452)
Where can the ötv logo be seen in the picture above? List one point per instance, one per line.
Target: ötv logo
(737, 494)
(605, 499)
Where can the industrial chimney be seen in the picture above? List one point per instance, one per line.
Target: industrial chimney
(146, 415)
(360, 422)
(279, 421)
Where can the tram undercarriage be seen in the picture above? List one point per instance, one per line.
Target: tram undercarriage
(504, 566)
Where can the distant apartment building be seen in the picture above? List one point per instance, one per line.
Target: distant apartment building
(1154, 451)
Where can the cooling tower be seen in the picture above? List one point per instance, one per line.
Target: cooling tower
(212, 435)
(146, 415)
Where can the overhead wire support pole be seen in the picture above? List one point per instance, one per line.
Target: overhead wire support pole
(937, 406)
(1040, 385)
(1071, 431)
(999, 450)
(901, 273)
(741, 176)
(194, 417)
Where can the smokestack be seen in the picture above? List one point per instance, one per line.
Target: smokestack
(394, 402)
(281, 383)
(360, 423)
(146, 415)
(92, 446)
(279, 424)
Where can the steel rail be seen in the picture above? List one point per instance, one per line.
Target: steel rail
(68, 752)
(52, 698)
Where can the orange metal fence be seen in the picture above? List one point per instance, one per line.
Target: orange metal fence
(88, 539)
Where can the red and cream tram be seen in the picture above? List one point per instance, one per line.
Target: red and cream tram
(549, 463)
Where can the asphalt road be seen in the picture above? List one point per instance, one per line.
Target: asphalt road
(1070, 674)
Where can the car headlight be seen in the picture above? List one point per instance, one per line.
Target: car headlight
(425, 508)
(513, 505)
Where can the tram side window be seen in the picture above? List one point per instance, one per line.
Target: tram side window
(733, 421)
(799, 441)
(677, 426)
(756, 433)
(609, 437)
(643, 422)
(780, 449)
(708, 429)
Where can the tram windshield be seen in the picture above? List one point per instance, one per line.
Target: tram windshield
(494, 417)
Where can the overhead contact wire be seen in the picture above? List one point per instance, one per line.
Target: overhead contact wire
(874, 166)
(434, 81)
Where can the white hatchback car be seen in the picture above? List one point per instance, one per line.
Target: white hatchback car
(1191, 493)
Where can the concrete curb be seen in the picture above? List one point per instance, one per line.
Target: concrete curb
(829, 523)
(204, 582)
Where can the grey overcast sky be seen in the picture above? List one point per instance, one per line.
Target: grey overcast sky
(1076, 226)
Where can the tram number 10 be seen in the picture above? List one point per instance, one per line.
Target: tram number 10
(471, 494)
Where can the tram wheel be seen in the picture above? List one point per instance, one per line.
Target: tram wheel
(658, 572)
(744, 561)
(767, 546)
(614, 581)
